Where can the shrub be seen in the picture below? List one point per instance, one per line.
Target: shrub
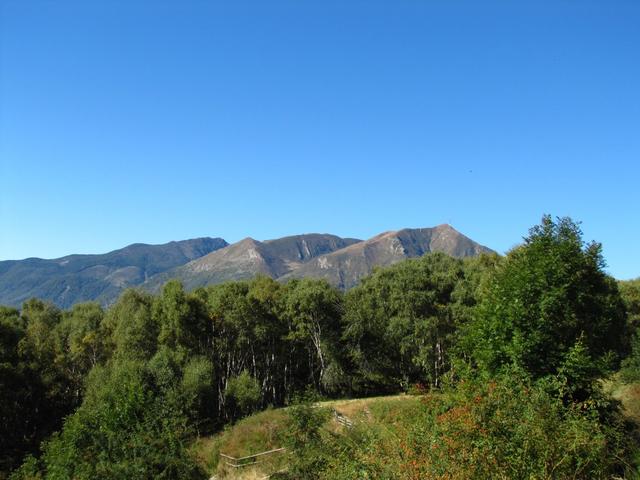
(631, 365)
(506, 427)
(242, 394)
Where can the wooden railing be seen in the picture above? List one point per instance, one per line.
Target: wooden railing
(255, 459)
(239, 462)
(342, 419)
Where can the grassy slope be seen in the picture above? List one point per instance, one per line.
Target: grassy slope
(629, 395)
(265, 431)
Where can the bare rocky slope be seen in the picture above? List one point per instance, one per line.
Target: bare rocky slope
(345, 267)
(248, 258)
(341, 261)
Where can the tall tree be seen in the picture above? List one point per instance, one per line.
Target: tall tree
(79, 345)
(21, 394)
(130, 328)
(124, 429)
(630, 291)
(549, 295)
(313, 309)
(400, 322)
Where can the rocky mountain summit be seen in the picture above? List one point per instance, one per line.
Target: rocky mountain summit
(345, 267)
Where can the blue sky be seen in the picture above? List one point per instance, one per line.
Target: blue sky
(150, 121)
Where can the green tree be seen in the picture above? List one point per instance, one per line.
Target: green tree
(549, 293)
(313, 309)
(35, 389)
(40, 319)
(400, 322)
(631, 365)
(124, 429)
(630, 291)
(78, 344)
(242, 394)
(22, 394)
(182, 325)
(198, 390)
(129, 327)
(242, 339)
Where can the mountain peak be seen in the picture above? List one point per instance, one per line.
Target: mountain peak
(445, 226)
(344, 268)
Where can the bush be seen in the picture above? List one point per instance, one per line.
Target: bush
(506, 427)
(631, 365)
(123, 430)
(511, 427)
(305, 439)
(242, 395)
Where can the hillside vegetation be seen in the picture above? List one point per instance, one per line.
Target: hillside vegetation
(271, 429)
(387, 437)
(508, 355)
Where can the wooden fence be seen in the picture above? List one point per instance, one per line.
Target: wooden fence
(255, 459)
(239, 462)
(342, 419)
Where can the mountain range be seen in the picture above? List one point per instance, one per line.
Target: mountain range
(205, 261)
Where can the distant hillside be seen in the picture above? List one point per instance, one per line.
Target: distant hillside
(77, 278)
(345, 267)
(206, 261)
(249, 257)
(341, 261)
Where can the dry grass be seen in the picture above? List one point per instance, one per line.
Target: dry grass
(629, 395)
(385, 410)
(265, 431)
(254, 434)
(257, 433)
(354, 407)
(260, 471)
(201, 452)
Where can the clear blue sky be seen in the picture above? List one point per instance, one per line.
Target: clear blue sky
(128, 121)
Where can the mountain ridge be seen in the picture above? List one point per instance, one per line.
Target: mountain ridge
(205, 261)
(249, 257)
(344, 268)
(83, 277)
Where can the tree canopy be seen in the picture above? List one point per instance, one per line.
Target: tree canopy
(549, 294)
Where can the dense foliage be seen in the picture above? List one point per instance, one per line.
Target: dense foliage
(402, 322)
(630, 291)
(507, 427)
(132, 425)
(518, 344)
(155, 370)
(549, 295)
